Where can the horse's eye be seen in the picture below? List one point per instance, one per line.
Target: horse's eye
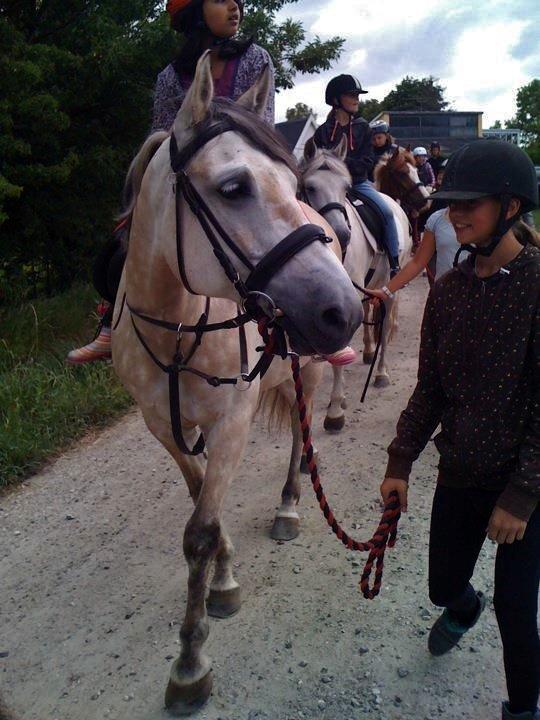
(234, 189)
(310, 189)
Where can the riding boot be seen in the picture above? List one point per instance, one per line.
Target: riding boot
(394, 265)
(100, 347)
(507, 715)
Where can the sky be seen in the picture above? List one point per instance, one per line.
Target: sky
(481, 52)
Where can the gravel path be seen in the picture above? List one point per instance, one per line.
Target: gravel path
(94, 582)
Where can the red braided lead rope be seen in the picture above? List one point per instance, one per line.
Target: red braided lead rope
(386, 533)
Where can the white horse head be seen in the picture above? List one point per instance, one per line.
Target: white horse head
(248, 179)
(325, 180)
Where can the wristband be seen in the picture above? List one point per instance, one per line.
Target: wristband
(387, 292)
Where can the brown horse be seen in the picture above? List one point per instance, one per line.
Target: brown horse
(396, 175)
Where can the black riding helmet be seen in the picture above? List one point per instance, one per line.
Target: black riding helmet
(342, 85)
(491, 168)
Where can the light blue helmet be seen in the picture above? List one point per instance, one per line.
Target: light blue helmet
(379, 126)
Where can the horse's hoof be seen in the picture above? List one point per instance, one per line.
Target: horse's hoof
(285, 528)
(304, 468)
(368, 358)
(223, 603)
(382, 381)
(344, 405)
(334, 424)
(186, 698)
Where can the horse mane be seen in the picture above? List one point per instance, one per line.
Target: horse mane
(385, 169)
(136, 172)
(325, 159)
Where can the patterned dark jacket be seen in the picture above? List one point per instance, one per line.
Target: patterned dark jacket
(479, 376)
(171, 89)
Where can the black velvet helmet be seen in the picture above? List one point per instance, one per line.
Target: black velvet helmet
(490, 168)
(341, 85)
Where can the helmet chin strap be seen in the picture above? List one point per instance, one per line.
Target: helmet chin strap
(501, 228)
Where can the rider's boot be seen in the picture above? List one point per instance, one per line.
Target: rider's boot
(100, 347)
(394, 265)
(345, 356)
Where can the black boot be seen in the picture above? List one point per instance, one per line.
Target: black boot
(447, 632)
(507, 715)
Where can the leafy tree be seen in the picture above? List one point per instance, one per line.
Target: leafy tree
(527, 117)
(416, 94)
(286, 42)
(299, 111)
(368, 109)
(497, 125)
(76, 82)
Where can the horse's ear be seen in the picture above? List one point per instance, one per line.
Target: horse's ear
(198, 98)
(256, 98)
(340, 151)
(310, 149)
(408, 148)
(395, 152)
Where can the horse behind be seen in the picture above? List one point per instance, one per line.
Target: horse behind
(194, 257)
(326, 181)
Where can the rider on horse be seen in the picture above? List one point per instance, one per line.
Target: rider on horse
(342, 94)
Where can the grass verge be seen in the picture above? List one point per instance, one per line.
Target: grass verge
(45, 404)
(536, 215)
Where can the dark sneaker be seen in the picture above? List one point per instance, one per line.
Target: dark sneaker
(507, 715)
(447, 632)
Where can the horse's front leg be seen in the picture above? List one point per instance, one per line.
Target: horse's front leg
(287, 522)
(382, 379)
(335, 417)
(190, 681)
(369, 350)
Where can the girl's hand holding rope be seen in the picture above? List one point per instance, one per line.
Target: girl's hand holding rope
(390, 485)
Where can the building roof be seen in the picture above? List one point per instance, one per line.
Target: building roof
(292, 130)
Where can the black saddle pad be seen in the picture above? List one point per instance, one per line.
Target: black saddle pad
(370, 215)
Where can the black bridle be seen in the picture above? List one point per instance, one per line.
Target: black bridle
(255, 303)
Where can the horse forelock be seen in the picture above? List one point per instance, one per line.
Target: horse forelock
(325, 160)
(257, 131)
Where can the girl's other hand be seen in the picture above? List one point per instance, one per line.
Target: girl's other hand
(504, 527)
(400, 486)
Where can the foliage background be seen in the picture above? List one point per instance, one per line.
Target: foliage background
(76, 81)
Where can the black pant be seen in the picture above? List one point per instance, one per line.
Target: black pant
(458, 529)
(107, 272)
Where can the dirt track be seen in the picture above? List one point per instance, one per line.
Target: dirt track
(94, 582)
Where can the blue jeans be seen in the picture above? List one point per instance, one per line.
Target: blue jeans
(390, 229)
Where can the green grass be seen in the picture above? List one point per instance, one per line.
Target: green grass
(44, 404)
(536, 214)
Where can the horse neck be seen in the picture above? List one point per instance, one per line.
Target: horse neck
(151, 285)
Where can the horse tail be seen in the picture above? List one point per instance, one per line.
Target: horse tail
(273, 406)
(136, 172)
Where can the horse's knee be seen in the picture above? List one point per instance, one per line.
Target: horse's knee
(201, 540)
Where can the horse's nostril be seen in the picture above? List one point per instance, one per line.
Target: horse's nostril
(335, 318)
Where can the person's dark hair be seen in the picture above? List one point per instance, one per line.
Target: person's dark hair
(190, 23)
(526, 234)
